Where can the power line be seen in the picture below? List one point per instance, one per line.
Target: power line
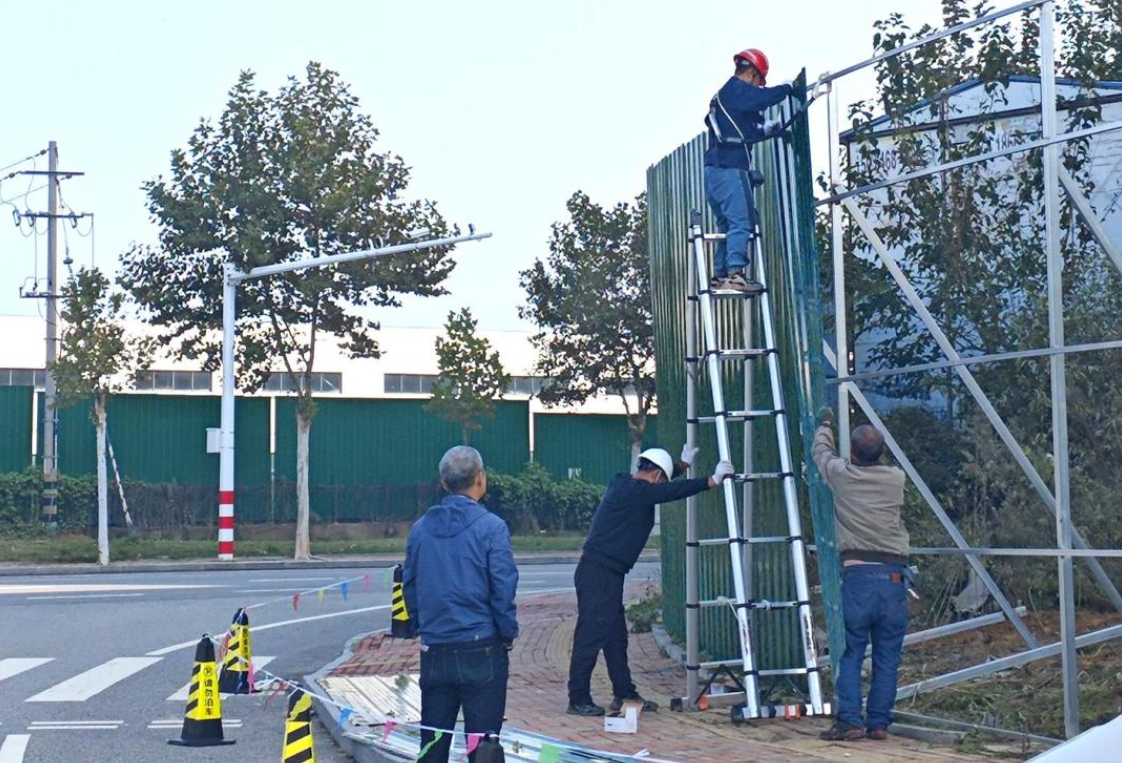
(22, 161)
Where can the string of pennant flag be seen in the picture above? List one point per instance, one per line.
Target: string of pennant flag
(548, 752)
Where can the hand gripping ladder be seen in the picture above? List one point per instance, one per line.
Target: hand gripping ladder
(740, 539)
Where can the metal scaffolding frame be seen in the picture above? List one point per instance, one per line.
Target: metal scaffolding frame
(1069, 542)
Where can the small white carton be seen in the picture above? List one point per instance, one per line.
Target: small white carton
(624, 722)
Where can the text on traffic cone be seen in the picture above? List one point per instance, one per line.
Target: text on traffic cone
(202, 722)
(235, 677)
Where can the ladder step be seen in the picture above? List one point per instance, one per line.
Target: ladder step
(737, 354)
(733, 417)
(735, 663)
(714, 236)
(727, 294)
(762, 604)
(754, 540)
(761, 476)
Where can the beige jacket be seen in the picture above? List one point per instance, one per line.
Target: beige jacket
(867, 501)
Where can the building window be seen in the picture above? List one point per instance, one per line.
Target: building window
(526, 385)
(23, 377)
(176, 381)
(409, 384)
(281, 381)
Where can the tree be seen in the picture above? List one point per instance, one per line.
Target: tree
(282, 176)
(97, 356)
(471, 376)
(591, 301)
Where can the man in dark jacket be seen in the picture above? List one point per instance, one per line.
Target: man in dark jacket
(459, 583)
(620, 528)
(735, 122)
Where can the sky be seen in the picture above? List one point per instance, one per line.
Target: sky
(502, 109)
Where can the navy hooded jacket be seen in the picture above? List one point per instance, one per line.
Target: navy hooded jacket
(746, 105)
(460, 578)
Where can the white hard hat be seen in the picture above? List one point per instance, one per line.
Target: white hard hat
(661, 459)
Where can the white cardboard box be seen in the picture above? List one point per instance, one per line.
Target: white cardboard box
(626, 722)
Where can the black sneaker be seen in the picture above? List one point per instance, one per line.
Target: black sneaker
(843, 732)
(648, 705)
(588, 709)
(737, 282)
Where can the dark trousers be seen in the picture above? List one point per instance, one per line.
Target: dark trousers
(874, 597)
(470, 676)
(601, 626)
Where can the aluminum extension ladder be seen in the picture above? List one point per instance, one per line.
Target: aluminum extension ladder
(746, 704)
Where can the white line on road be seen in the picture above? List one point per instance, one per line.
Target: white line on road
(273, 590)
(13, 666)
(182, 694)
(75, 725)
(100, 587)
(84, 596)
(281, 624)
(85, 685)
(13, 748)
(175, 723)
(288, 580)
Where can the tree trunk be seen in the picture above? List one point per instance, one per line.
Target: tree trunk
(102, 484)
(303, 502)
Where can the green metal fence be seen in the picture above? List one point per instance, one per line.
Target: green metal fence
(593, 447)
(15, 428)
(674, 188)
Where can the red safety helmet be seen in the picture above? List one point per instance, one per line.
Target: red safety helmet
(755, 57)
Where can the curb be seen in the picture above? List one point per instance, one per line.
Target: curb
(375, 562)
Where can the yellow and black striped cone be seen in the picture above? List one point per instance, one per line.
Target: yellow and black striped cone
(202, 723)
(235, 676)
(400, 624)
(298, 730)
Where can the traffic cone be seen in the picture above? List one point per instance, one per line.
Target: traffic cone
(202, 722)
(298, 730)
(234, 678)
(400, 626)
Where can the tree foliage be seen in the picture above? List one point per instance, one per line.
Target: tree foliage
(590, 298)
(471, 375)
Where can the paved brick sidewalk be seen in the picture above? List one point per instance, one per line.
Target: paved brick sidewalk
(537, 700)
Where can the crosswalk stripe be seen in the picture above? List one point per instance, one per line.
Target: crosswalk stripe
(13, 748)
(181, 695)
(13, 666)
(94, 681)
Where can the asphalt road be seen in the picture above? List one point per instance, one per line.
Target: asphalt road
(92, 666)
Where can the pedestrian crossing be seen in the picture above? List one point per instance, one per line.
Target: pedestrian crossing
(87, 684)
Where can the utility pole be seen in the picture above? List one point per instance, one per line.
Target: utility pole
(50, 413)
(49, 504)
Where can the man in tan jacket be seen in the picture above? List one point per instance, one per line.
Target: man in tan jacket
(874, 548)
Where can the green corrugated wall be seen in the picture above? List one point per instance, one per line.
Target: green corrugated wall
(674, 188)
(598, 445)
(15, 428)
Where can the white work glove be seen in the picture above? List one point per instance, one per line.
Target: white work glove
(689, 453)
(723, 471)
(772, 128)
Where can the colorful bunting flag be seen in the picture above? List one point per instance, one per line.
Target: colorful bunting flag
(550, 753)
(365, 583)
(424, 750)
(344, 715)
(296, 601)
(387, 730)
(343, 589)
(473, 741)
(321, 595)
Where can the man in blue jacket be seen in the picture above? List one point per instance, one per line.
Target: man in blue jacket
(620, 528)
(735, 122)
(459, 583)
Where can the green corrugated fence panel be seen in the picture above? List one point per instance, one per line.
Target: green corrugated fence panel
(674, 187)
(389, 442)
(162, 438)
(598, 445)
(15, 428)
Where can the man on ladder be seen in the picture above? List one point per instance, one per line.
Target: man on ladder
(735, 122)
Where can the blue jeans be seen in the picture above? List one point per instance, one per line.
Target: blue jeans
(874, 597)
(729, 193)
(472, 676)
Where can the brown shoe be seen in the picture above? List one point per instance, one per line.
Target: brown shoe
(878, 734)
(843, 732)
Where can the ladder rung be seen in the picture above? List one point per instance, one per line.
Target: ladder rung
(738, 354)
(761, 476)
(733, 417)
(714, 236)
(762, 604)
(738, 663)
(760, 539)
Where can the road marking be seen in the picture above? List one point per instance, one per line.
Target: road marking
(273, 590)
(13, 666)
(175, 723)
(270, 626)
(83, 596)
(288, 580)
(75, 725)
(85, 685)
(13, 748)
(181, 695)
(99, 587)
